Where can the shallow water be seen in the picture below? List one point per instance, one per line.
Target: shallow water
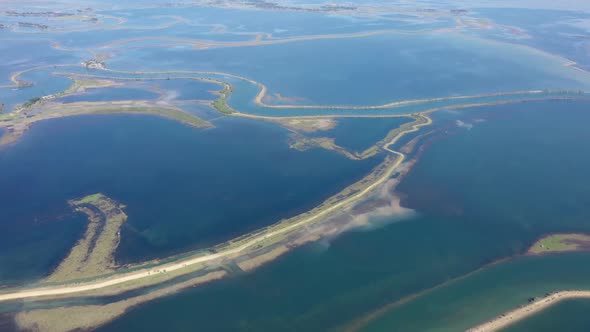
(322, 71)
(359, 134)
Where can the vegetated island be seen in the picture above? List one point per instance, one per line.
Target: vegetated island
(555, 243)
(38, 109)
(93, 253)
(90, 257)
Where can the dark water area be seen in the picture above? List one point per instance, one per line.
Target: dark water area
(474, 207)
(570, 315)
(110, 94)
(7, 323)
(516, 174)
(33, 244)
(359, 134)
(539, 146)
(184, 188)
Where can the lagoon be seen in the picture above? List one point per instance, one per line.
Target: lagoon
(173, 179)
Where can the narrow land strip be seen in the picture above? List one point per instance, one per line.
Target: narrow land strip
(528, 310)
(241, 247)
(93, 254)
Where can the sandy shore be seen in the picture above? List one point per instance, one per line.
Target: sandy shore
(528, 310)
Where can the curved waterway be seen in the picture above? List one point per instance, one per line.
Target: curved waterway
(494, 210)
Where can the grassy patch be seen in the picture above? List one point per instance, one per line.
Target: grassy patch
(93, 254)
(220, 104)
(560, 243)
(309, 125)
(29, 103)
(75, 318)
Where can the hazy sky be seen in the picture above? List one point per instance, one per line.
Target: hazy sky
(540, 4)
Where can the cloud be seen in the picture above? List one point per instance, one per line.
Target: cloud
(462, 124)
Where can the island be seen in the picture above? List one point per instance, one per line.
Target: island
(556, 243)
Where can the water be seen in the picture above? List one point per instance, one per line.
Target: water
(570, 315)
(431, 65)
(481, 196)
(556, 31)
(174, 179)
(359, 134)
(488, 293)
(542, 151)
(110, 94)
(189, 89)
(485, 189)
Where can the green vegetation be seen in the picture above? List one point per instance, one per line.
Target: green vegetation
(220, 104)
(81, 85)
(19, 122)
(93, 254)
(170, 113)
(75, 318)
(308, 125)
(560, 243)
(31, 102)
(94, 199)
(302, 143)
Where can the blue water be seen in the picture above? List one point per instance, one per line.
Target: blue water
(359, 134)
(323, 71)
(184, 188)
(185, 89)
(478, 197)
(110, 94)
(570, 315)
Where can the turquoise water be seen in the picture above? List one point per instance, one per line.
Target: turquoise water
(488, 293)
(493, 209)
(570, 315)
(174, 179)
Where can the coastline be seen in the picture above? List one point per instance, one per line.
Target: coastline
(232, 248)
(236, 247)
(520, 313)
